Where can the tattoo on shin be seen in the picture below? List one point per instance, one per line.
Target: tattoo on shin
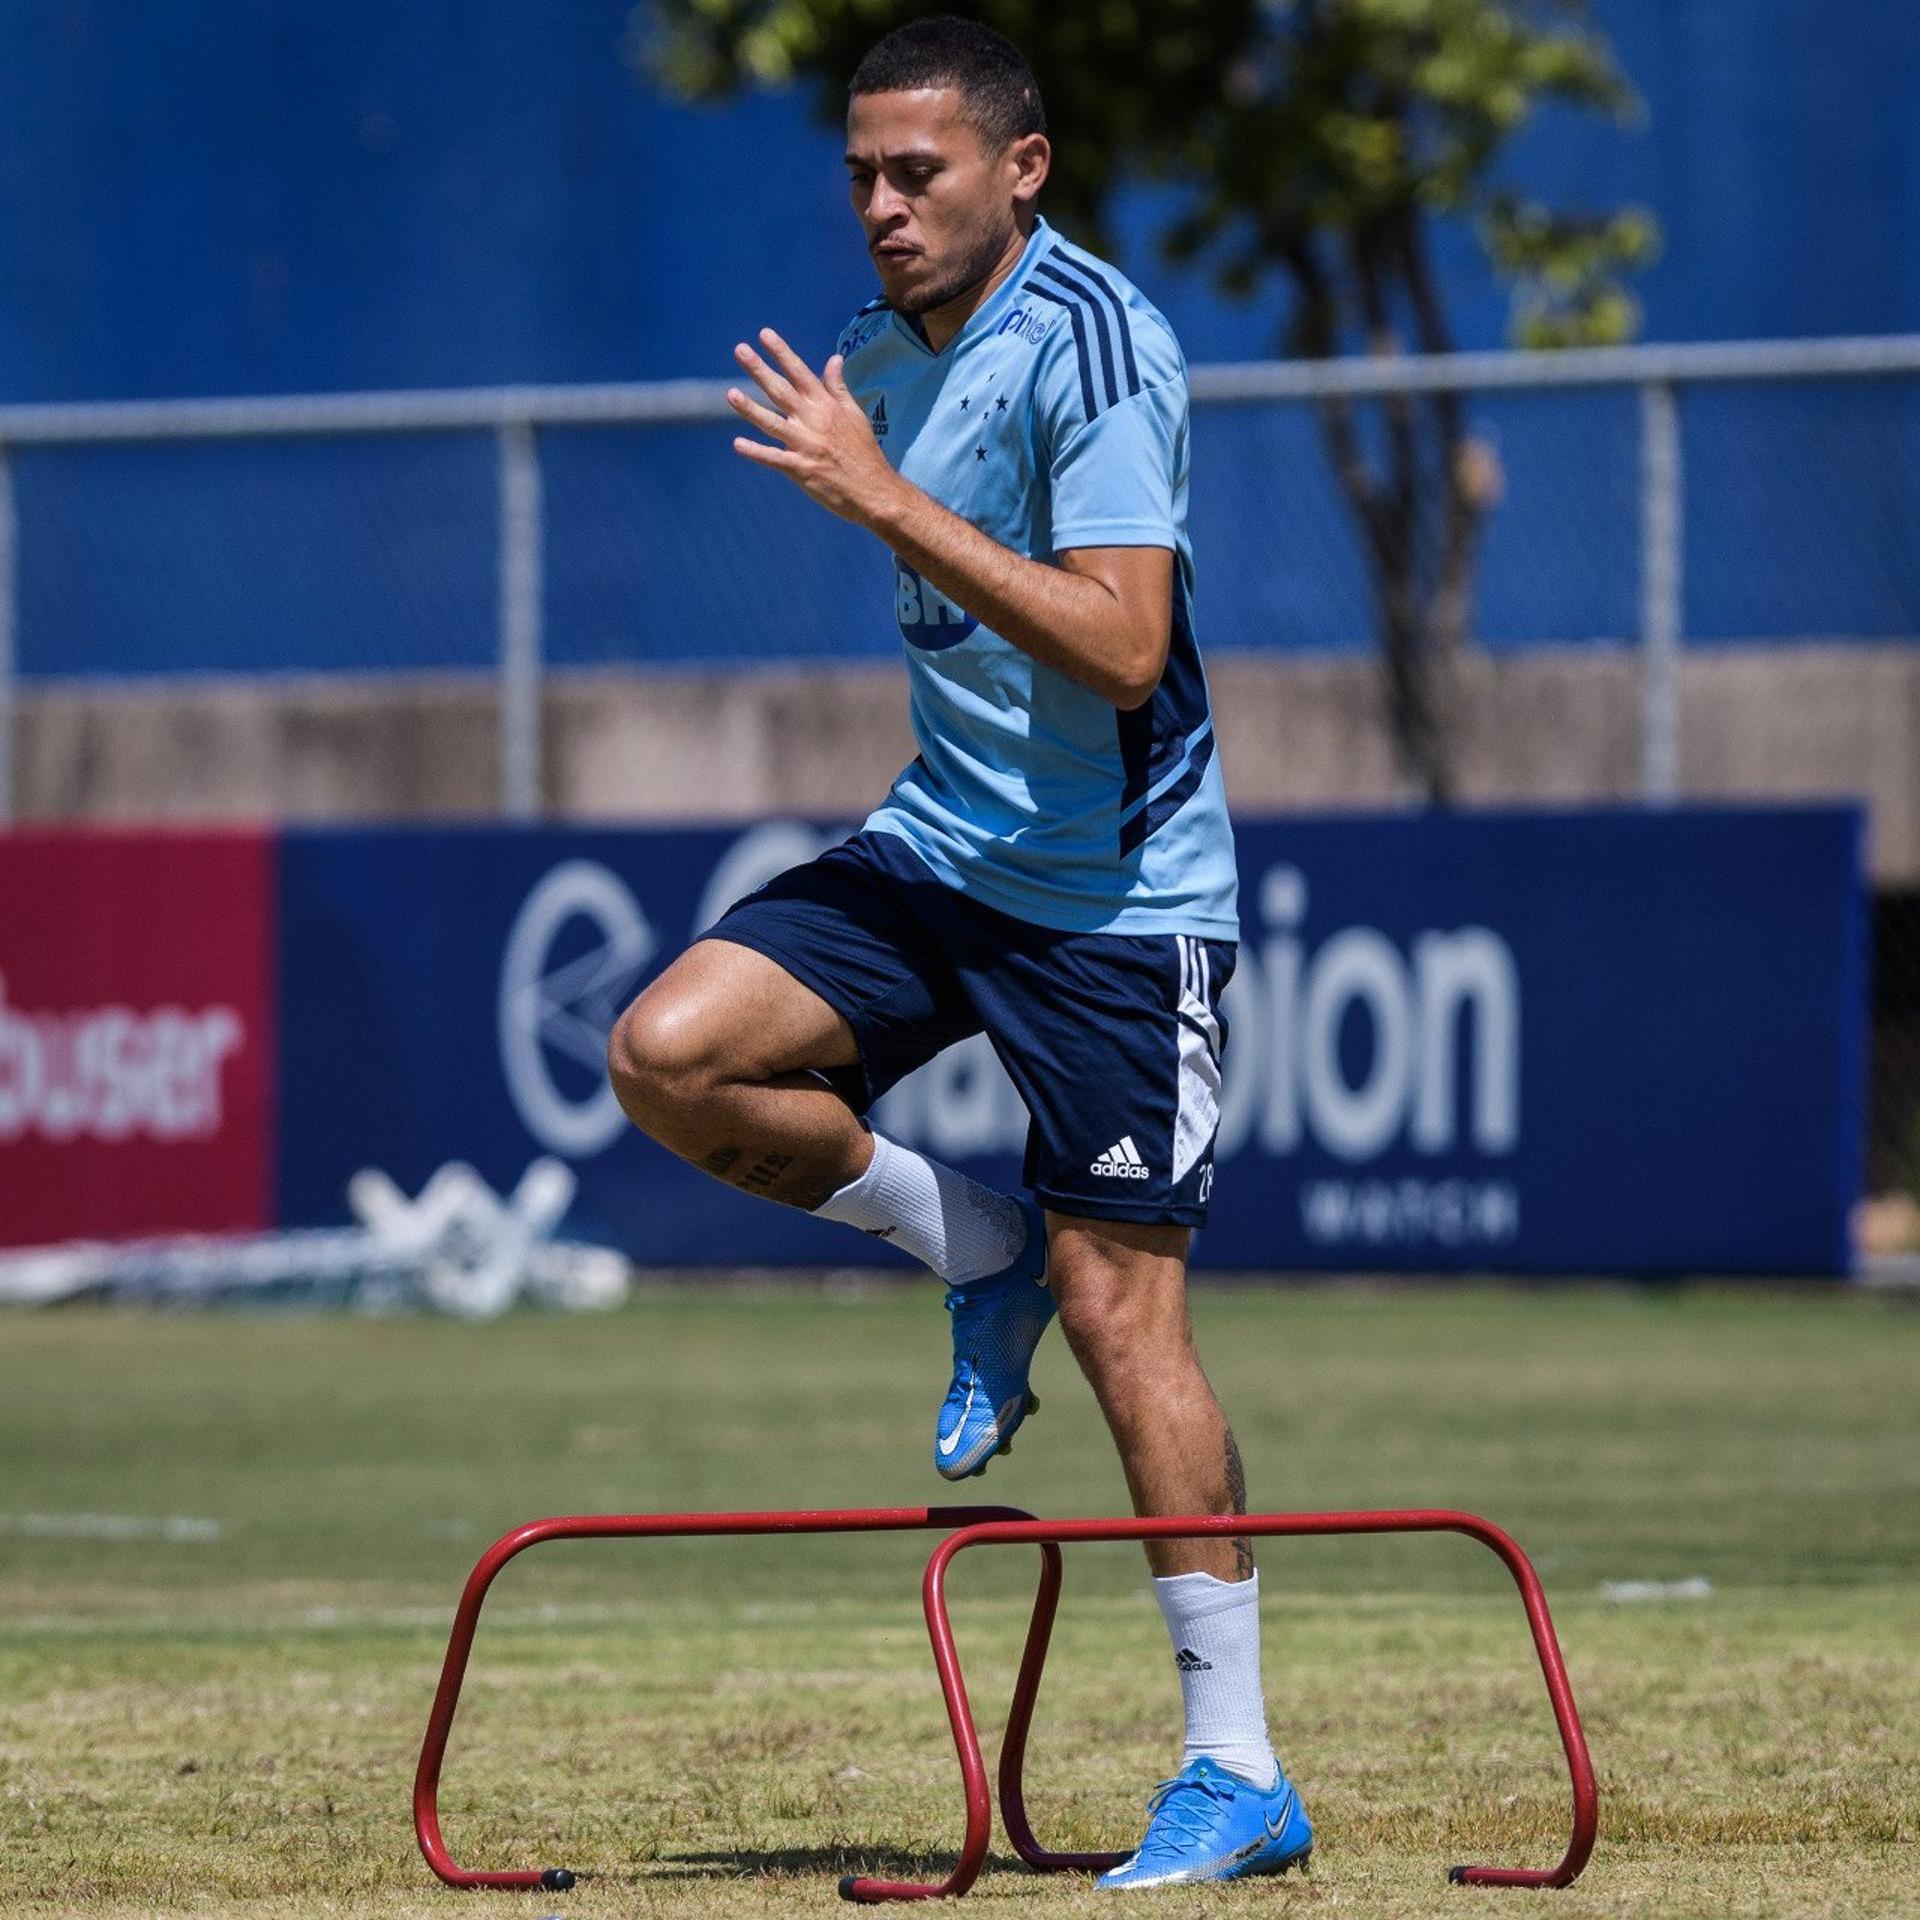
(1237, 1494)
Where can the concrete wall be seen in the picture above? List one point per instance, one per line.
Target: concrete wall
(1786, 722)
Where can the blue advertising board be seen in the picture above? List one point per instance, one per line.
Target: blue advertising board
(1603, 1042)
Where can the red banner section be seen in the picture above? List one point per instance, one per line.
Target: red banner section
(137, 1043)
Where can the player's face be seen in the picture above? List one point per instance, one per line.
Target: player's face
(936, 204)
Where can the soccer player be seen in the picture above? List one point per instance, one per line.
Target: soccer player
(1055, 869)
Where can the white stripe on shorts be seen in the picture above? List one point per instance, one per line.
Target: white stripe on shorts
(1198, 1112)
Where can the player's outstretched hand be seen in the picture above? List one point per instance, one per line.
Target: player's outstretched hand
(824, 441)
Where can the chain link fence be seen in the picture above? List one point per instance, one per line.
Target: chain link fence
(1655, 512)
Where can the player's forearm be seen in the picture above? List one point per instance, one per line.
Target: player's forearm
(1066, 621)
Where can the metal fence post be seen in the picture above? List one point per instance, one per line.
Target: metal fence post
(520, 620)
(9, 627)
(1662, 526)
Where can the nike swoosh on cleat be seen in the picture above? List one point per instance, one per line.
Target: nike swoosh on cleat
(949, 1441)
(1275, 1828)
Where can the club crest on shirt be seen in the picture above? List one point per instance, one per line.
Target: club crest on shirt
(928, 619)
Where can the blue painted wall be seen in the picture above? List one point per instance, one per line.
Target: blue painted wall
(257, 195)
(231, 196)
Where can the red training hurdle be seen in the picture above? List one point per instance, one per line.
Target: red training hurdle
(993, 1526)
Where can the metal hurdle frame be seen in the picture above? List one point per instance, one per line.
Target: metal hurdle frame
(995, 1526)
(660, 1526)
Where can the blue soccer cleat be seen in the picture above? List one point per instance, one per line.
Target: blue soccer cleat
(1209, 1824)
(997, 1322)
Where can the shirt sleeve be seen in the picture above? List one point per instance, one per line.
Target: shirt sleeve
(1110, 399)
(1115, 477)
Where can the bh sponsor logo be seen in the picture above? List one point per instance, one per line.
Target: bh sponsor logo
(112, 1073)
(928, 619)
(1355, 1047)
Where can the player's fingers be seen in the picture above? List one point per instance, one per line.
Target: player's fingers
(778, 390)
(836, 377)
(788, 361)
(764, 455)
(774, 425)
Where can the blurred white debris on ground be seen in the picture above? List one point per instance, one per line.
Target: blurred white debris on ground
(1699, 1587)
(458, 1248)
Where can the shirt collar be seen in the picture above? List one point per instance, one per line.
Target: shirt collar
(986, 316)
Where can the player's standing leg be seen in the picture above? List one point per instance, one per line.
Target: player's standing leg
(1123, 1307)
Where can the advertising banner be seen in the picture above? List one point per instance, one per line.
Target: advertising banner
(137, 1033)
(1613, 1042)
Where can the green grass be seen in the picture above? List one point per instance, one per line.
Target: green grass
(228, 1725)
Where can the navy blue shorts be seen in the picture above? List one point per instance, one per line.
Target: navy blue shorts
(1114, 1041)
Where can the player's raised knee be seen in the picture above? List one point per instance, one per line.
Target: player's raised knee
(661, 1058)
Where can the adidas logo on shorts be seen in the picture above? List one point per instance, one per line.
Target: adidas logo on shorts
(1122, 1161)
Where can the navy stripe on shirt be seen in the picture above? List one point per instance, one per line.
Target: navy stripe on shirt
(1168, 738)
(1082, 281)
(1094, 307)
(1164, 805)
(1079, 344)
(1087, 271)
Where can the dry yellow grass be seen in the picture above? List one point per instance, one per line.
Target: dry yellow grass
(227, 1725)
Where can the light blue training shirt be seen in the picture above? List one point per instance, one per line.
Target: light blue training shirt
(1056, 418)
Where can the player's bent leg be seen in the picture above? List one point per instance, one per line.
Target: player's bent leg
(840, 968)
(997, 1323)
(721, 1061)
(1230, 1812)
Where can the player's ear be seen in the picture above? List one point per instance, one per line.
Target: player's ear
(1031, 157)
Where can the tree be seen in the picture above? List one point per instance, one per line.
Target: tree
(1314, 141)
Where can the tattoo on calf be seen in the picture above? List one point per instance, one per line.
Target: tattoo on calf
(772, 1176)
(1237, 1494)
(765, 1172)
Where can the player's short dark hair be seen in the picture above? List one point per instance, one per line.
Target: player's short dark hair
(997, 90)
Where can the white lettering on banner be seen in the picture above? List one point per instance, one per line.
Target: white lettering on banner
(1352, 1043)
(1288, 1005)
(548, 1013)
(1357, 969)
(110, 1073)
(1396, 1213)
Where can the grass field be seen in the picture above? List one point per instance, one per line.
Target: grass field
(222, 1718)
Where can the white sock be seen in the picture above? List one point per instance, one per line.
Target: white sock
(1215, 1629)
(955, 1225)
